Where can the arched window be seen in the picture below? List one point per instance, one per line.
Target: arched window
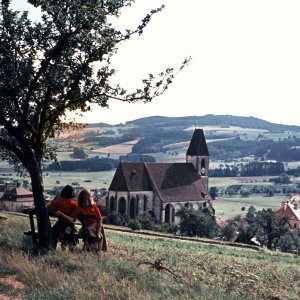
(132, 208)
(145, 203)
(111, 203)
(203, 168)
(169, 213)
(188, 205)
(122, 206)
(137, 204)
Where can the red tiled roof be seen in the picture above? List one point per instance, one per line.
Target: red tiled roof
(288, 209)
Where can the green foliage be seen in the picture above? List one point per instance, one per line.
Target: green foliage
(271, 228)
(197, 223)
(54, 66)
(87, 165)
(147, 221)
(213, 191)
(288, 242)
(115, 218)
(134, 224)
(79, 153)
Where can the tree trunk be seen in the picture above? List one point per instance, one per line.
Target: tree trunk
(43, 221)
(269, 244)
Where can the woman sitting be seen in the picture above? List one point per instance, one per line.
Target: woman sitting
(90, 217)
(63, 230)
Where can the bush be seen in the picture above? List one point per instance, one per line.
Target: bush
(147, 221)
(197, 223)
(134, 224)
(168, 228)
(288, 242)
(115, 218)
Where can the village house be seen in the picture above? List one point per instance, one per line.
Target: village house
(290, 208)
(162, 188)
(15, 197)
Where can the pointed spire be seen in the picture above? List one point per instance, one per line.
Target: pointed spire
(198, 146)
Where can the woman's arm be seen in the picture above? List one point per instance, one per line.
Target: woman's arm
(99, 227)
(63, 216)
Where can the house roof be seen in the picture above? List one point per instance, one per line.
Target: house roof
(288, 209)
(198, 146)
(177, 182)
(19, 191)
(17, 194)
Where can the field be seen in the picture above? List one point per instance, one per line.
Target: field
(190, 270)
(90, 180)
(228, 207)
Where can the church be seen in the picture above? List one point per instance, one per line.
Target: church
(162, 188)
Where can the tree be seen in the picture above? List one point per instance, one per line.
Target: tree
(271, 228)
(58, 65)
(197, 223)
(79, 153)
(246, 227)
(213, 191)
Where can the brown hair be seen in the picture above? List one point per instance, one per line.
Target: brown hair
(68, 192)
(82, 197)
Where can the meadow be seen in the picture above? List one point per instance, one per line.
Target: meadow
(191, 270)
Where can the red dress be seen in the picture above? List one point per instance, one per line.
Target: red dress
(91, 210)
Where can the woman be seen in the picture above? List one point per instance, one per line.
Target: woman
(63, 230)
(87, 212)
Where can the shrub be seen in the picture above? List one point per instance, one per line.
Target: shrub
(197, 223)
(115, 218)
(134, 224)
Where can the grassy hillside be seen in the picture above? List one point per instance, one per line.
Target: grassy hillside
(193, 270)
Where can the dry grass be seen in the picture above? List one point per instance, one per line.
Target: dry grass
(203, 271)
(123, 148)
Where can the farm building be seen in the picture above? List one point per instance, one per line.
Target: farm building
(162, 188)
(290, 208)
(14, 198)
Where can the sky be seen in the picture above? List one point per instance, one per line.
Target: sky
(245, 60)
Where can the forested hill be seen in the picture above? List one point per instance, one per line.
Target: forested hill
(208, 120)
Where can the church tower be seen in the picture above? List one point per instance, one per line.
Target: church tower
(198, 154)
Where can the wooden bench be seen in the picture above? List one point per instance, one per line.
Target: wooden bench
(83, 221)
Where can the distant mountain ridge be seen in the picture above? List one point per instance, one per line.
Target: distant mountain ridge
(205, 120)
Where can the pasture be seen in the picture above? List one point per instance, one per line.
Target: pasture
(189, 270)
(228, 207)
(90, 180)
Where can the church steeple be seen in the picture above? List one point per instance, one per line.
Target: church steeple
(198, 154)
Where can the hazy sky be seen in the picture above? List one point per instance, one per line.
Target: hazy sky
(245, 59)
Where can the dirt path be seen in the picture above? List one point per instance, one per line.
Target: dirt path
(13, 284)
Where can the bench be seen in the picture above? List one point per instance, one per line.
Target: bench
(84, 236)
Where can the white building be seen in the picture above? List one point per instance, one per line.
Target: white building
(162, 188)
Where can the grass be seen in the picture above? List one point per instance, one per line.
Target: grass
(98, 179)
(228, 207)
(203, 271)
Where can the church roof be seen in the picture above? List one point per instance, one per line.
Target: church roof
(174, 182)
(130, 177)
(198, 146)
(177, 182)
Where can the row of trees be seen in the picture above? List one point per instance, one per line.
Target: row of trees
(261, 227)
(93, 164)
(260, 168)
(264, 227)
